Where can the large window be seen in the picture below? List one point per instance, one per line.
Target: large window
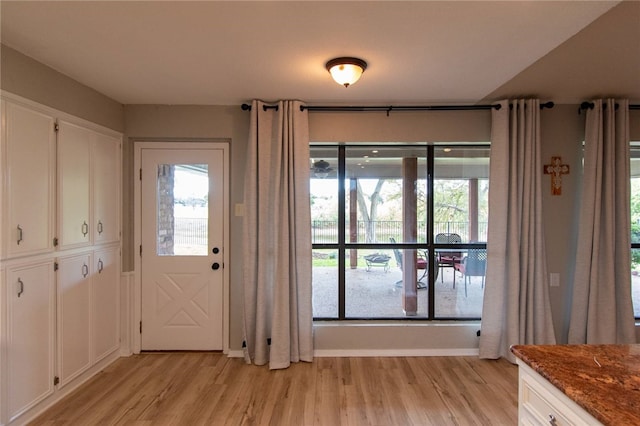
(635, 227)
(399, 231)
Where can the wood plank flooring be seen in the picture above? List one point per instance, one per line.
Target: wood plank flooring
(211, 389)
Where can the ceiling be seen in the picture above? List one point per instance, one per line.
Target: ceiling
(419, 52)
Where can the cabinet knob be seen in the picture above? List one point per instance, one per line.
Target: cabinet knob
(100, 266)
(19, 234)
(99, 227)
(85, 229)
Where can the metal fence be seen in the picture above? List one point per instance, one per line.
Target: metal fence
(190, 231)
(381, 231)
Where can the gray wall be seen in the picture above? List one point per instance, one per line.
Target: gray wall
(30, 79)
(189, 123)
(562, 134)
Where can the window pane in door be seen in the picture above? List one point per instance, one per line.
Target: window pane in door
(182, 211)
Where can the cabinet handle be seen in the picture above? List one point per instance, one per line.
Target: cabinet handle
(19, 234)
(99, 227)
(552, 419)
(85, 229)
(100, 266)
(20, 287)
(85, 270)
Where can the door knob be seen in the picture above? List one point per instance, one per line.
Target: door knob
(215, 266)
(215, 250)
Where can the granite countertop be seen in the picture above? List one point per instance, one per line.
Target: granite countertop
(602, 379)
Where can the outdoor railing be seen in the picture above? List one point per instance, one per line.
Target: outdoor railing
(193, 231)
(190, 231)
(326, 231)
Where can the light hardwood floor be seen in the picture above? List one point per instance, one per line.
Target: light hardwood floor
(211, 389)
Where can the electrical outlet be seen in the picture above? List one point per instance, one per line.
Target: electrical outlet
(554, 279)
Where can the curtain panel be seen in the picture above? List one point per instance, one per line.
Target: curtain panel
(516, 307)
(278, 316)
(602, 309)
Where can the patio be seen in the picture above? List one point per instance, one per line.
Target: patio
(375, 293)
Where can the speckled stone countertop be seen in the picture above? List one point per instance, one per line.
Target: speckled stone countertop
(602, 379)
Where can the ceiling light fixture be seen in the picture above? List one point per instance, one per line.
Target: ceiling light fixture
(346, 71)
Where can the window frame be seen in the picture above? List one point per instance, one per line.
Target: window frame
(342, 246)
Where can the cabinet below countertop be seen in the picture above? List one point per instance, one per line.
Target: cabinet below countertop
(578, 384)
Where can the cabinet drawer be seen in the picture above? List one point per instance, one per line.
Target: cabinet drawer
(542, 403)
(541, 409)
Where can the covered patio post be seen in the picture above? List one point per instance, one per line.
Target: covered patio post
(409, 235)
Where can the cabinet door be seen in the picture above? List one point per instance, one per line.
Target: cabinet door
(74, 316)
(29, 180)
(30, 335)
(74, 149)
(106, 302)
(106, 189)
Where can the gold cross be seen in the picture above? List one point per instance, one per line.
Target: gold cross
(556, 169)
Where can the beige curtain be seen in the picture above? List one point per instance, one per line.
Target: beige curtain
(516, 306)
(602, 310)
(278, 315)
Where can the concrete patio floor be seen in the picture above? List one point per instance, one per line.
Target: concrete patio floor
(374, 294)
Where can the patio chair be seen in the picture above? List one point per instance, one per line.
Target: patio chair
(422, 264)
(473, 265)
(448, 258)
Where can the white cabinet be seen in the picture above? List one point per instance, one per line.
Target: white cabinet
(106, 296)
(74, 316)
(28, 162)
(88, 189)
(88, 310)
(106, 190)
(60, 179)
(74, 153)
(30, 334)
(541, 403)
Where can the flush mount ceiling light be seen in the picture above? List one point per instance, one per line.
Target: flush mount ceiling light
(346, 71)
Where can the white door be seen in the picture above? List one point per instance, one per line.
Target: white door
(74, 316)
(30, 328)
(106, 160)
(105, 299)
(182, 196)
(30, 159)
(74, 151)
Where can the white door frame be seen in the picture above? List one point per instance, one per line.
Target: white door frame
(137, 233)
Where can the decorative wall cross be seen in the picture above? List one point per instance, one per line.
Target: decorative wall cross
(556, 169)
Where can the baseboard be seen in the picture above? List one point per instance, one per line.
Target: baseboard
(341, 353)
(361, 353)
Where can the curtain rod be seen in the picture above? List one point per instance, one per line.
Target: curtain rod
(390, 108)
(590, 105)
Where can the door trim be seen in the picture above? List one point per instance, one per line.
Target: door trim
(136, 316)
